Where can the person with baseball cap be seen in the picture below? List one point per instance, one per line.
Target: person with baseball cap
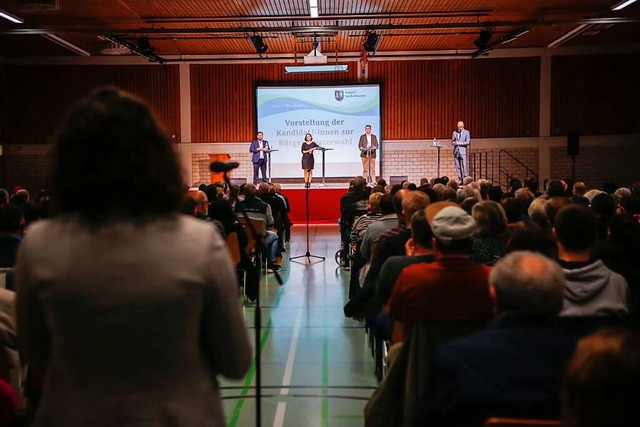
(451, 288)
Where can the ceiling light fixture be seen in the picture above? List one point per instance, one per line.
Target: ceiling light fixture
(313, 8)
(136, 49)
(509, 37)
(622, 4)
(568, 36)
(338, 68)
(11, 17)
(66, 44)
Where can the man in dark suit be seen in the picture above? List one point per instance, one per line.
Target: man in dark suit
(259, 157)
(514, 367)
(460, 140)
(368, 145)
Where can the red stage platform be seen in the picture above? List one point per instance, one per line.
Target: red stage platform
(324, 205)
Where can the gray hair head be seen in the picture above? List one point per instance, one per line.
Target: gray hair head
(528, 283)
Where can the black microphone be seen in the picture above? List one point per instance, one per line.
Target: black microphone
(223, 166)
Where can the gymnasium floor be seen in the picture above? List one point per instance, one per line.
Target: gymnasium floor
(316, 367)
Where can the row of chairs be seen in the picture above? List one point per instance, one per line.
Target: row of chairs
(257, 258)
(403, 381)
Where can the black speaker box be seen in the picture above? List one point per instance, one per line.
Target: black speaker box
(398, 179)
(573, 144)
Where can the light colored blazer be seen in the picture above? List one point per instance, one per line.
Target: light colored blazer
(464, 140)
(132, 320)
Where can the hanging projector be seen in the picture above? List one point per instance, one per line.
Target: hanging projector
(315, 57)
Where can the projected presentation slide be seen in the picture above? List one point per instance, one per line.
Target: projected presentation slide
(334, 115)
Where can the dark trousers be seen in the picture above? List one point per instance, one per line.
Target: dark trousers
(261, 166)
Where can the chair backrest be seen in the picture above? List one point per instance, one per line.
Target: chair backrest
(233, 246)
(520, 422)
(260, 228)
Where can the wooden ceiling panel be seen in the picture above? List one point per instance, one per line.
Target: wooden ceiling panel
(215, 27)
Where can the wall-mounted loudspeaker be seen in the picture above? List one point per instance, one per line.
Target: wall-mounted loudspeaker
(573, 144)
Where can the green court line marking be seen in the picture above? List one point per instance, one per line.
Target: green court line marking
(235, 416)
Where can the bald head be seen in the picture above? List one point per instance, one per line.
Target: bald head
(460, 125)
(528, 283)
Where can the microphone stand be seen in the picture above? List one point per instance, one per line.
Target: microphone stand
(307, 253)
(258, 315)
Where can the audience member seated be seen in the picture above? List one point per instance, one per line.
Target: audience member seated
(11, 227)
(528, 236)
(495, 193)
(285, 215)
(538, 212)
(267, 193)
(392, 243)
(451, 288)
(515, 210)
(555, 188)
(201, 209)
(387, 221)
(624, 258)
(514, 367)
(552, 208)
(591, 288)
(490, 241)
(419, 249)
(362, 222)
(352, 204)
(579, 188)
(601, 384)
(256, 209)
(221, 210)
(127, 311)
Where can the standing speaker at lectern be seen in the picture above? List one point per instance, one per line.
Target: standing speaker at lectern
(368, 145)
(259, 157)
(461, 140)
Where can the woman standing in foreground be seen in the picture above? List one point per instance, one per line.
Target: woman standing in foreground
(308, 147)
(127, 310)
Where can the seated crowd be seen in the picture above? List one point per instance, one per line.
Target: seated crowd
(475, 298)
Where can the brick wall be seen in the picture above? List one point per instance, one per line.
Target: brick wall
(26, 170)
(421, 163)
(200, 167)
(598, 164)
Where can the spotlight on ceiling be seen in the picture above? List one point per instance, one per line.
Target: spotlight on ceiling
(483, 38)
(259, 44)
(144, 46)
(371, 43)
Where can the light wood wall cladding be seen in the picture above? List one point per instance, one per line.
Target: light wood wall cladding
(421, 99)
(223, 97)
(595, 95)
(37, 97)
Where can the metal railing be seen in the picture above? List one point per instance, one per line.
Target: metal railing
(490, 165)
